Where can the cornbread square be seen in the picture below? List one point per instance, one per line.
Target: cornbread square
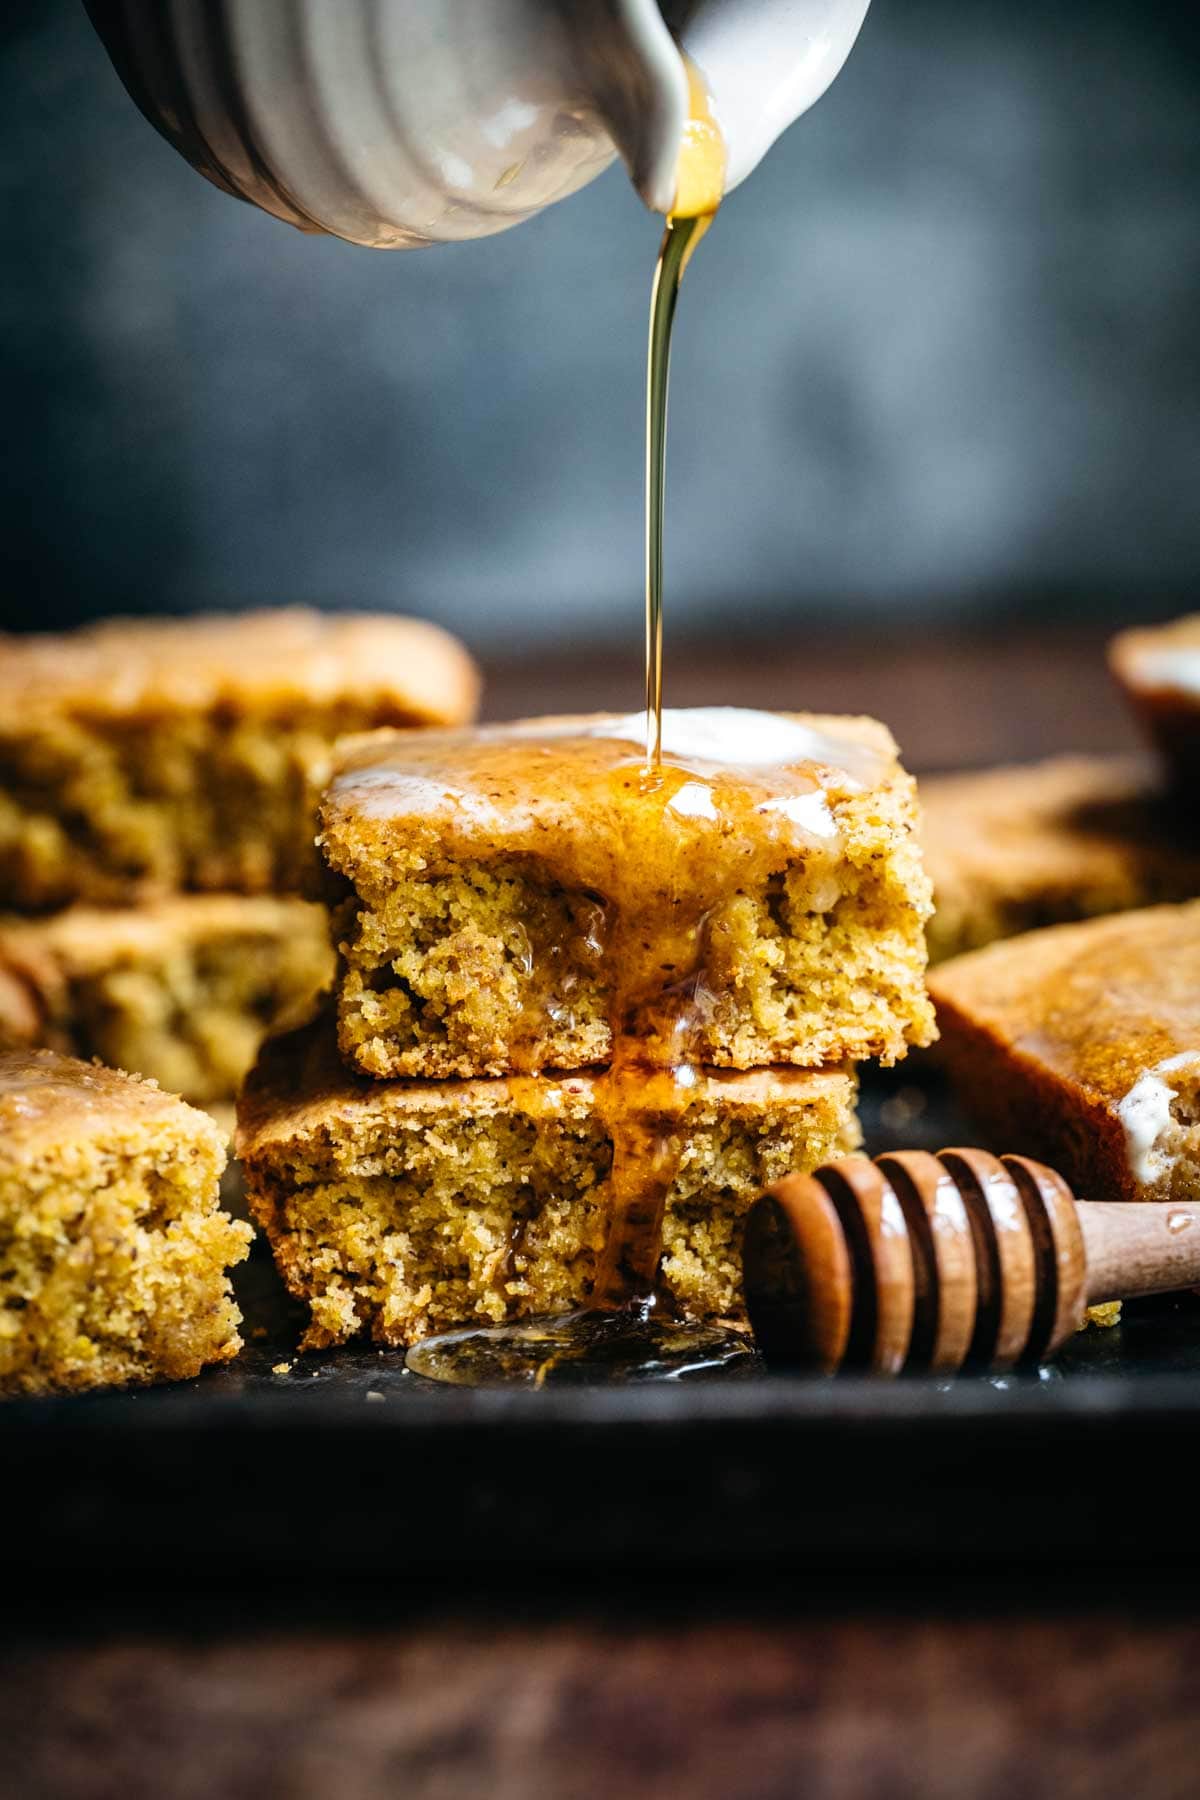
(182, 990)
(1158, 669)
(143, 755)
(1080, 1044)
(403, 1208)
(113, 1253)
(507, 898)
(1011, 849)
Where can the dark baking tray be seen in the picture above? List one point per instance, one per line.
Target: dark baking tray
(349, 1465)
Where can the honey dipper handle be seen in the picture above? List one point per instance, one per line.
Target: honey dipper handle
(1133, 1249)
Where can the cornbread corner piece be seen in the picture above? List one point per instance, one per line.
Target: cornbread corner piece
(144, 755)
(401, 1208)
(1158, 670)
(1080, 1044)
(499, 886)
(1075, 837)
(182, 990)
(113, 1253)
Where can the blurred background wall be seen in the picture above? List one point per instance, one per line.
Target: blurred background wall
(938, 356)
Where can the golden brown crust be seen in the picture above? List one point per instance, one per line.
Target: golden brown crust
(182, 989)
(1015, 848)
(300, 1087)
(49, 1099)
(1047, 1036)
(139, 757)
(114, 1255)
(261, 662)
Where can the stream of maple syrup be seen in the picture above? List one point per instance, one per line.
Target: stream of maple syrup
(660, 997)
(699, 187)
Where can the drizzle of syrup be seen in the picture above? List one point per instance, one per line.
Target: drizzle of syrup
(693, 831)
(700, 184)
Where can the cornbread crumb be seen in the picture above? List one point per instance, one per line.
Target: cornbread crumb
(1075, 837)
(181, 990)
(139, 756)
(113, 1252)
(396, 1209)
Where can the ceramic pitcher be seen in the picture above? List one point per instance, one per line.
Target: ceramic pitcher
(397, 123)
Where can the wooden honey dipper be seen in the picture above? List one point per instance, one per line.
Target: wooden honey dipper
(924, 1262)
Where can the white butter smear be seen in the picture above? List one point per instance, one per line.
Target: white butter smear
(740, 737)
(1145, 1115)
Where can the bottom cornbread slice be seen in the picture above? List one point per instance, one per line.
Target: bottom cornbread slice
(400, 1208)
(113, 1252)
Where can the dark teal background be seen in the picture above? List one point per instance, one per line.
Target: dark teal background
(939, 355)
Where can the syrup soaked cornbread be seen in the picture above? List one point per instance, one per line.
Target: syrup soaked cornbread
(402, 1208)
(517, 898)
(1047, 843)
(1081, 1043)
(113, 1253)
(181, 990)
(1159, 670)
(142, 755)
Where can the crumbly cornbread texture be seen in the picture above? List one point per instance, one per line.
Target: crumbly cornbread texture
(144, 755)
(1011, 849)
(508, 894)
(113, 1253)
(1081, 1044)
(182, 990)
(406, 1207)
(1158, 669)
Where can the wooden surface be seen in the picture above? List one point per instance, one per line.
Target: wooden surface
(765, 1697)
(1095, 1708)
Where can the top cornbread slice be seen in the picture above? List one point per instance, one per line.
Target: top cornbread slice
(113, 1251)
(1158, 668)
(1047, 843)
(139, 756)
(510, 895)
(1081, 1044)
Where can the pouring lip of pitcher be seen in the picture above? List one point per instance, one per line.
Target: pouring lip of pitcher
(764, 63)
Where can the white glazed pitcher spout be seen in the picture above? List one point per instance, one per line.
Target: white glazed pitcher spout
(397, 123)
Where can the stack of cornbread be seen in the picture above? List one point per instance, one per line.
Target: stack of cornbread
(156, 788)
(583, 1011)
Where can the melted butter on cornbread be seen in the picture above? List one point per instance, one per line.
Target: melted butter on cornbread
(740, 796)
